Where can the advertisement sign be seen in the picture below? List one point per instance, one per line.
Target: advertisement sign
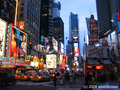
(41, 65)
(55, 44)
(18, 46)
(75, 44)
(20, 61)
(11, 60)
(60, 59)
(75, 38)
(7, 62)
(21, 25)
(62, 47)
(3, 27)
(97, 51)
(51, 60)
(76, 50)
(8, 38)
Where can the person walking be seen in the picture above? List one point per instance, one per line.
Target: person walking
(54, 78)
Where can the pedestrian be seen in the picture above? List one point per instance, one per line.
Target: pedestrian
(54, 78)
(75, 76)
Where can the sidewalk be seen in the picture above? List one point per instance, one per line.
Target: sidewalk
(74, 86)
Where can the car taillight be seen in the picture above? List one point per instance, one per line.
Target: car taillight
(39, 77)
(25, 76)
(31, 77)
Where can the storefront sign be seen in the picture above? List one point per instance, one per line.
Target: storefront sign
(19, 61)
(7, 66)
(7, 60)
(3, 27)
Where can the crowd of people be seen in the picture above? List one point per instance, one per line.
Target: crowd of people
(66, 77)
(90, 83)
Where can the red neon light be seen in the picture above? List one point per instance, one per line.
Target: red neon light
(89, 66)
(63, 54)
(99, 67)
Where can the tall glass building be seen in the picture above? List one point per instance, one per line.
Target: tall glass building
(74, 37)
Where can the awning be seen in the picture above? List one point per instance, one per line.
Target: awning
(21, 64)
(93, 62)
(106, 62)
(118, 61)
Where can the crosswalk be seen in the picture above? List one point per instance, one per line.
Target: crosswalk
(28, 83)
(68, 88)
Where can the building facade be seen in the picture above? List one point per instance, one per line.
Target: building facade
(74, 38)
(7, 10)
(56, 9)
(28, 20)
(92, 26)
(58, 27)
(46, 24)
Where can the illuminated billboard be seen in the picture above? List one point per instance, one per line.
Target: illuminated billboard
(76, 50)
(7, 62)
(55, 44)
(18, 45)
(21, 25)
(75, 44)
(62, 47)
(118, 22)
(51, 60)
(60, 59)
(3, 27)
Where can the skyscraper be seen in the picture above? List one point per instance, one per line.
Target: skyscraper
(58, 27)
(28, 20)
(46, 25)
(74, 37)
(104, 16)
(92, 26)
(56, 9)
(7, 10)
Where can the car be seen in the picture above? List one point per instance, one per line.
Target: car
(7, 78)
(36, 78)
(17, 76)
(23, 77)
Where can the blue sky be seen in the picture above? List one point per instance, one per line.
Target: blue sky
(83, 8)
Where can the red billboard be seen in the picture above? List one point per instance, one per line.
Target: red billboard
(21, 25)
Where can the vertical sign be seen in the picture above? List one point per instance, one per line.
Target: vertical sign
(3, 27)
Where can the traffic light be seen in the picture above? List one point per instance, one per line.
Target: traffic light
(30, 45)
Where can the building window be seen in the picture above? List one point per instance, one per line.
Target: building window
(21, 15)
(22, 8)
(22, 3)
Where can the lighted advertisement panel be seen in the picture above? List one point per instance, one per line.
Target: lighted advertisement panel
(7, 62)
(21, 25)
(60, 59)
(55, 44)
(8, 38)
(51, 60)
(76, 49)
(3, 27)
(18, 45)
(62, 48)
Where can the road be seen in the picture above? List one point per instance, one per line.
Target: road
(28, 85)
